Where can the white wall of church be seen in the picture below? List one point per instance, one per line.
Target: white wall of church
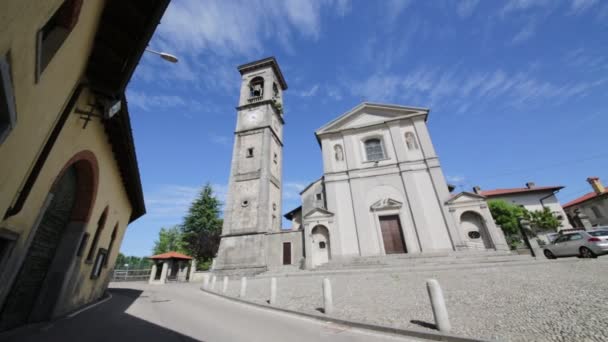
(339, 202)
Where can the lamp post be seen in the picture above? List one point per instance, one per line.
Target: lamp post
(166, 56)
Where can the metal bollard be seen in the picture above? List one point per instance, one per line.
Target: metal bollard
(206, 281)
(243, 287)
(225, 287)
(440, 312)
(273, 291)
(328, 302)
(213, 283)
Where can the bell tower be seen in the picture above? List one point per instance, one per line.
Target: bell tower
(253, 203)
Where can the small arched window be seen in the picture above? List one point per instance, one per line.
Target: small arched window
(111, 245)
(100, 224)
(256, 87)
(374, 149)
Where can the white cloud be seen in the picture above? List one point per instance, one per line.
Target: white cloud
(239, 27)
(455, 179)
(465, 8)
(394, 8)
(147, 102)
(580, 6)
(220, 139)
(523, 5)
(170, 203)
(310, 92)
(524, 34)
(458, 89)
(291, 190)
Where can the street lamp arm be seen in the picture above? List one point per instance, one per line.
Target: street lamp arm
(166, 56)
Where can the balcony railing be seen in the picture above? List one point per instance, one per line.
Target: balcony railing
(255, 99)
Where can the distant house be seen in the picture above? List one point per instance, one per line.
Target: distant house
(592, 206)
(532, 198)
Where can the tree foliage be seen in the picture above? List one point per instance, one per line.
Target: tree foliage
(169, 239)
(134, 262)
(542, 220)
(505, 215)
(202, 226)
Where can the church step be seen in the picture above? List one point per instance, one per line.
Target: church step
(391, 261)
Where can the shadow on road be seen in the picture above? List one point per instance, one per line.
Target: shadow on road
(106, 322)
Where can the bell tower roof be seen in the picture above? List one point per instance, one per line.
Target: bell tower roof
(262, 63)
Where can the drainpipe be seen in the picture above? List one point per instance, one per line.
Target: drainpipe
(44, 153)
(549, 195)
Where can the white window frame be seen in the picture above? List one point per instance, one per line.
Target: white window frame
(9, 120)
(382, 146)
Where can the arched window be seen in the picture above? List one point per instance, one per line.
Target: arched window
(256, 87)
(374, 149)
(100, 224)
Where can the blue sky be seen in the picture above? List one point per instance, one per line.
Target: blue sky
(517, 90)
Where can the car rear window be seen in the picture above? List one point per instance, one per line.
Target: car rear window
(599, 233)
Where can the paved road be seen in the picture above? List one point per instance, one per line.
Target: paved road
(181, 312)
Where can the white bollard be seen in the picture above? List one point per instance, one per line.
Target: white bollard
(243, 287)
(206, 281)
(328, 302)
(438, 304)
(213, 283)
(273, 291)
(225, 287)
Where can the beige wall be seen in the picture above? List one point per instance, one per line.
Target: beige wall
(110, 192)
(38, 106)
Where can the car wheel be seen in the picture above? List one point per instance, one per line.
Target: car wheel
(548, 254)
(587, 253)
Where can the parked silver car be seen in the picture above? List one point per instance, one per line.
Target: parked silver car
(586, 244)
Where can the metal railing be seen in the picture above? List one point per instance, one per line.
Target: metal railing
(131, 275)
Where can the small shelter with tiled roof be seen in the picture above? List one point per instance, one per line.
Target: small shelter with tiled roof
(171, 266)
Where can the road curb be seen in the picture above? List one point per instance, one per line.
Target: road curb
(434, 336)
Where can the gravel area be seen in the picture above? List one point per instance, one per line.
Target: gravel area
(549, 301)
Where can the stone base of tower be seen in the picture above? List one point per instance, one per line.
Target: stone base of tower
(241, 255)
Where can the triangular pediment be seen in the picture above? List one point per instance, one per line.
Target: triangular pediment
(385, 204)
(369, 114)
(318, 213)
(465, 197)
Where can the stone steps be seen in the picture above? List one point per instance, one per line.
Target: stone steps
(405, 260)
(416, 263)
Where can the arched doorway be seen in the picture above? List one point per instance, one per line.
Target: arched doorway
(42, 275)
(320, 245)
(475, 229)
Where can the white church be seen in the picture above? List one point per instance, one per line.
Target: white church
(382, 190)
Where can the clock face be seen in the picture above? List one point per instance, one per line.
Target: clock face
(253, 116)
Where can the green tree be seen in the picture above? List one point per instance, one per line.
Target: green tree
(202, 226)
(169, 239)
(542, 220)
(505, 215)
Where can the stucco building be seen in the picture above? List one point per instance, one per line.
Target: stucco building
(531, 197)
(69, 178)
(382, 191)
(591, 209)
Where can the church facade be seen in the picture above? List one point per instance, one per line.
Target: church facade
(382, 192)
